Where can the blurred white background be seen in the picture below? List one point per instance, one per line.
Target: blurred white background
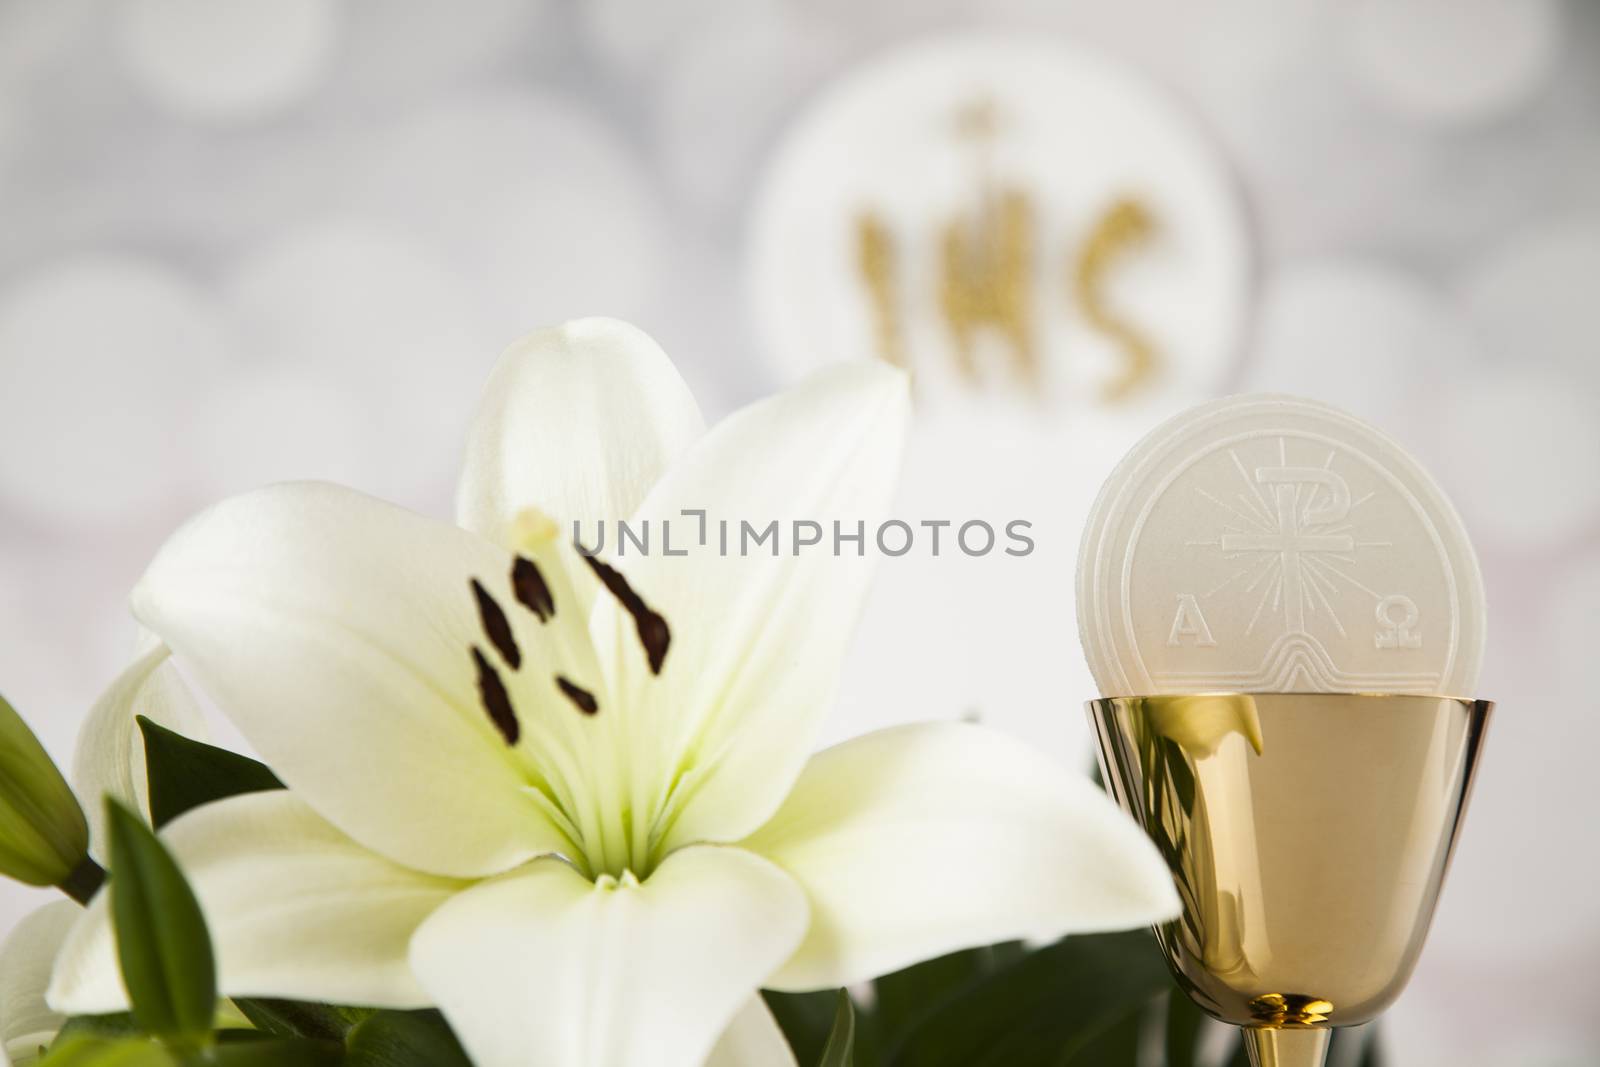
(245, 241)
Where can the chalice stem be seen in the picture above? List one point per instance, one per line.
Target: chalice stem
(1291, 1047)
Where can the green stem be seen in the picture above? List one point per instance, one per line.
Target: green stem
(84, 881)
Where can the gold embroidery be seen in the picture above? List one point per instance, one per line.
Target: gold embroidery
(986, 273)
(986, 258)
(985, 281)
(1125, 225)
(876, 257)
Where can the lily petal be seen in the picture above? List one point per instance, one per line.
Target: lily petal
(109, 758)
(919, 840)
(338, 632)
(543, 966)
(758, 639)
(26, 957)
(295, 909)
(753, 1039)
(579, 421)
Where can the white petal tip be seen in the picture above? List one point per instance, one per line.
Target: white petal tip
(869, 374)
(578, 336)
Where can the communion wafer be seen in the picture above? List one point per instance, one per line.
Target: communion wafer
(1274, 544)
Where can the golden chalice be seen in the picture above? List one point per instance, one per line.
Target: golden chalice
(1308, 834)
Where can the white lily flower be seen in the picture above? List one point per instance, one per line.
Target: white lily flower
(572, 804)
(108, 761)
(27, 1023)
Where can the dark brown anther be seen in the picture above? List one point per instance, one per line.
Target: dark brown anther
(532, 591)
(496, 627)
(580, 697)
(496, 701)
(654, 634)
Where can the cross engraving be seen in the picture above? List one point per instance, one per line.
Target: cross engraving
(1294, 534)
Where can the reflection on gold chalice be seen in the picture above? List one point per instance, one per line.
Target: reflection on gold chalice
(1308, 834)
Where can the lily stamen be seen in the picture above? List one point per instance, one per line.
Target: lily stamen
(581, 698)
(496, 701)
(654, 634)
(531, 590)
(496, 627)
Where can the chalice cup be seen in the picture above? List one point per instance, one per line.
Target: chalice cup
(1308, 835)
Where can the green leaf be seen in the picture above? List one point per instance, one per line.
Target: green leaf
(1184, 1021)
(86, 1051)
(840, 1049)
(117, 1024)
(185, 773)
(296, 1018)
(904, 998)
(235, 1048)
(269, 1052)
(1115, 1046)
(1044, 1009)
(162, 943)
(404, 1039)
(806, 1020)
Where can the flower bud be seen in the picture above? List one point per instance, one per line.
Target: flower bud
(43, 836)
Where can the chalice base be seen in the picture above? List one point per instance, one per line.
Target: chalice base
(1306, 1047)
